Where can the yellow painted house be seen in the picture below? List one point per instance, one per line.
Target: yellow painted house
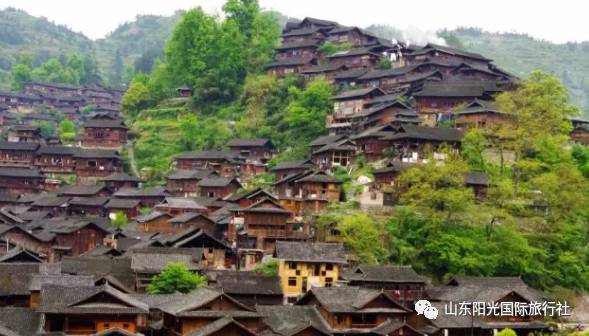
(304, 265)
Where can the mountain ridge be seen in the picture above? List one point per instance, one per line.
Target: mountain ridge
(135, 46)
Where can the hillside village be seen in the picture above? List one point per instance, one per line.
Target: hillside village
(66, 269)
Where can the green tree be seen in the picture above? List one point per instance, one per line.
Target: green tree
(119, 220)
(384, 64)
(67, 131)
(20, 74)
(506, 332)
(541, 108)
(472, 149)
(307, 111)
(437, 187)
(361, 234)
(175, 278)
(269, 267)
(135, 99)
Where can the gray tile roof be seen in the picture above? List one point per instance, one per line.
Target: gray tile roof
(19, 146)
(154, 260)
(217, 182)
(351, 300)
(426, 133)
(290, 320)
(81, 300)
(122, 177)
(383, 273)
(249, 142)
(218, 325)
(302, 164)
(15, 277)
(238, 282)
(97, 153)
(311, 252)
(183, 174)
(81, 190)
(21, 172)
(357, 93)
(20, 321)
(180, 203)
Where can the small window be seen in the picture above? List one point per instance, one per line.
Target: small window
(328, 282)
(329, 267)
(292, 265)
(92, 163)
(323, 273)
(292, 282)
(298, 272)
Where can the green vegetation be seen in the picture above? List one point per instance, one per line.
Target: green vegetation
(67, 131)
(119, 220)
(269, 267)
(531, 224)
(175, 278)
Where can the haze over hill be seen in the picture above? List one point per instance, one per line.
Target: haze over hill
(134, 46)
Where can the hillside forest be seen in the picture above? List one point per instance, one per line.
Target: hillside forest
(533, 223)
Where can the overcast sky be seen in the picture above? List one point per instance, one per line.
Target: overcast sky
(558, 21)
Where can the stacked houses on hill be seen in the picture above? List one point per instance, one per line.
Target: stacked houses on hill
(66, 270)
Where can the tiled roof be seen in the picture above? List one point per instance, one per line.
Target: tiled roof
(311, 252)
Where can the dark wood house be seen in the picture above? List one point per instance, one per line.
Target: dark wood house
(184, 183)
(308, 48)
(224, 163)
(345, 308)
(90, 310)
(104, 133)
(363, 58)
(24, 133)
(93, 164)
(17, 154)
(117, 181)
(341, 153)
(209, 312)
(218, 187)
(261, 150)
(249, 288)
(149, 197)
(56, 159)
(412, 143)
(290, 66)
(260, 225)
(400, 282)
(285, 168)
(21, 180)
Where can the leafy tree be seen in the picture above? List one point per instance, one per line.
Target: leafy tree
(437, 187)
(269, 267)
(20, 74)
(47, 129)
(472, 149)
(361, 234)
(541, 108)
(507, 332)
(307, 111)
(175, 278)
(135, 98)
(67, 131)
(119, 220)
(384, 64)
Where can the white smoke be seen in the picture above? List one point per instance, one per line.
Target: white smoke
(416, 36)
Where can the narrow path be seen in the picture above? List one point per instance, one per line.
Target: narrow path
(131, 155)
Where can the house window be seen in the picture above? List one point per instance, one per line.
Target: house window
(328, 282)
(92, 163)
(298, 272)
(292, 282)
(329, 267)
(317, 270)
(125, 326)
(292, 265)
